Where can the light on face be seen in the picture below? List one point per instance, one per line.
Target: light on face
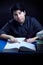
(19, 15)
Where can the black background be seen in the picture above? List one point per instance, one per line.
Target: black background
(34, 6)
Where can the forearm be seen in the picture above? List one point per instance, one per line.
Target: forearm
(10, 38)
(31, 39)
(5, 36)
(34, 38)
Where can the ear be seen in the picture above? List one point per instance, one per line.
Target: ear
(24, 12)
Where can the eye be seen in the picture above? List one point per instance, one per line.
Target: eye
(19, 12)
(15, 14)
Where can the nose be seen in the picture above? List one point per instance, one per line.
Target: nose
(18, 16)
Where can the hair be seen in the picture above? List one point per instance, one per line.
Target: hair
(17, 6)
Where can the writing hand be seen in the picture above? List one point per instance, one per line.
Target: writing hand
(12, 40)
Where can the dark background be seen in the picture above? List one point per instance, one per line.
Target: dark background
(34, 6)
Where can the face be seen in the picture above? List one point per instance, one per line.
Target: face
(19, 16)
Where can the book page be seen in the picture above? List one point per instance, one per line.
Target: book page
(14, 45)
(28, 45)
(21, 44)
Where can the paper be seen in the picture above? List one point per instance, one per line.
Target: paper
(21, 44)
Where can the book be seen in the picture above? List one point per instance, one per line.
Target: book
(23, 46)
(39, 44)
(40, 41)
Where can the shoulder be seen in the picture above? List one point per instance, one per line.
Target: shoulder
(27, 17)
(31, 18)
(34, 20)
(10, 21)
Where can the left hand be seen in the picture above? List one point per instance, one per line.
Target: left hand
(30, 40)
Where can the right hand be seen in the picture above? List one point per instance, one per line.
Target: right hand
(12, 40)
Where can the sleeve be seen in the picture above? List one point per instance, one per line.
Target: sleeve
(37, 26)
(5, 29)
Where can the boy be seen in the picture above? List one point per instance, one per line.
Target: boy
(20, 26)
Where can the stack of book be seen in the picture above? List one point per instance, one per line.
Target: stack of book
(40, 41)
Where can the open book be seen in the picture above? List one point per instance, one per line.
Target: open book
(24, 46)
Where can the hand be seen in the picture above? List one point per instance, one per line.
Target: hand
(12, 40)
(30, 40)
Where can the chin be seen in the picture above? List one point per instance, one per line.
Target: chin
(20, 21)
